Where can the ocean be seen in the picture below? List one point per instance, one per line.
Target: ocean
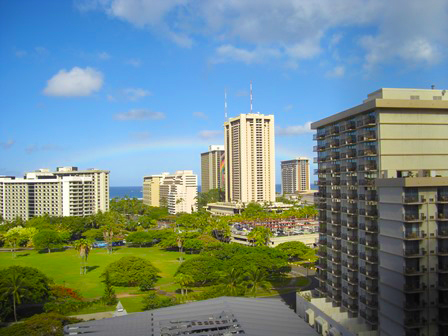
(137, 192)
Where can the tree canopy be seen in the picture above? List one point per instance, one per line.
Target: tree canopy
(132, 271)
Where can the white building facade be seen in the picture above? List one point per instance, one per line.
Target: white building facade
(250, 158)
(44, 192)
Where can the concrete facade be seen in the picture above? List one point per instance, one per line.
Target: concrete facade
(213, 168)
(295, 176)
(66, 192)
(413, 260)
(178, 191)
(395, 133)
(250, 158)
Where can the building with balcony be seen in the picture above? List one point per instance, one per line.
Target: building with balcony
(65, 192)
(178, 192)
(250, 158)
(412, 225)
(213, 168)
(295, 176)
(393, 134)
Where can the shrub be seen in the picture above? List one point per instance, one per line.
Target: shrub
(132, 271)
(64, 300)
(49, 324)
(153, 301)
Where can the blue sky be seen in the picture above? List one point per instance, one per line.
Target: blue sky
(137, 86)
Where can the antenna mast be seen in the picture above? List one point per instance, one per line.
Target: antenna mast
(251, 97)
(225, 103)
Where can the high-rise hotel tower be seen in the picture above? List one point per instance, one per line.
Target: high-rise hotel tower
(383, 209)
(213, 168)
(295, 175)
(250, 158)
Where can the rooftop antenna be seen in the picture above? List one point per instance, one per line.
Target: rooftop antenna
(251, 97)
(225, 103)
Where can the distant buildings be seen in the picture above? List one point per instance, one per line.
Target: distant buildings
(212, 168)
(65, 192)
(250, 158)
(176, 191)
(383, 209)
(295, 176)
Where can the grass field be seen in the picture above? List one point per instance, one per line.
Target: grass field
(63, 267)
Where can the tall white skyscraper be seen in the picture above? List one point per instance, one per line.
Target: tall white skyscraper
(250, 158)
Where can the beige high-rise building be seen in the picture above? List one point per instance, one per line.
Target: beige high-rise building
(295, 175)
(382, 201)
(213, 168)
(45, 192)
(250, 158)
(176, 191)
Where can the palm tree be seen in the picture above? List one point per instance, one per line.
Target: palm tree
(260, 236)
(233, 282)
(14, 287)
(256, 280)
(83, 246)
(183, 280)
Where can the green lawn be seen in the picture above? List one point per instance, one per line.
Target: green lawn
(63, 267)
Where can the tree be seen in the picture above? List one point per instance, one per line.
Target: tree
(260, 236)
(184, 281)
(13, 238)
(132, 271)
(112, 224)
(233, 282)
(14, 287)
(47, 239)
(139, 238)
(256, 280)
(204, 270)
(48, 324)
(253, 211)
(83, 246)
(93, 234)
(109, 298)
(153, 301)
(296, 250)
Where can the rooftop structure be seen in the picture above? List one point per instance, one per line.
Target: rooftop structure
(221, 316)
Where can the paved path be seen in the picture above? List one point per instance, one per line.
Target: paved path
(95, 316)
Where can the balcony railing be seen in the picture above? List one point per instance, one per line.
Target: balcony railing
(414, 252)
(414, 235)
(442, 250)
(368, 272)
(368, 257)
(442, 216)
(412, 217)
(442, 198)
(410, 270)
(371, 288)
(414, 287)
(442, 233)
(411, 199)
(414, 305)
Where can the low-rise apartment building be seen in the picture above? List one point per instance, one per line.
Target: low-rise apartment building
(60, 193)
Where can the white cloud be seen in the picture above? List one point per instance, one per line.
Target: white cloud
(242, 93)
(139, 114)
(294, 130)
(200, 115)
(207, 134)
(135, 62)
(7, 144)
(104, 56)
(405, 30)
(337, 71)
(135, 93)
(228, 53)
(74, 83)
